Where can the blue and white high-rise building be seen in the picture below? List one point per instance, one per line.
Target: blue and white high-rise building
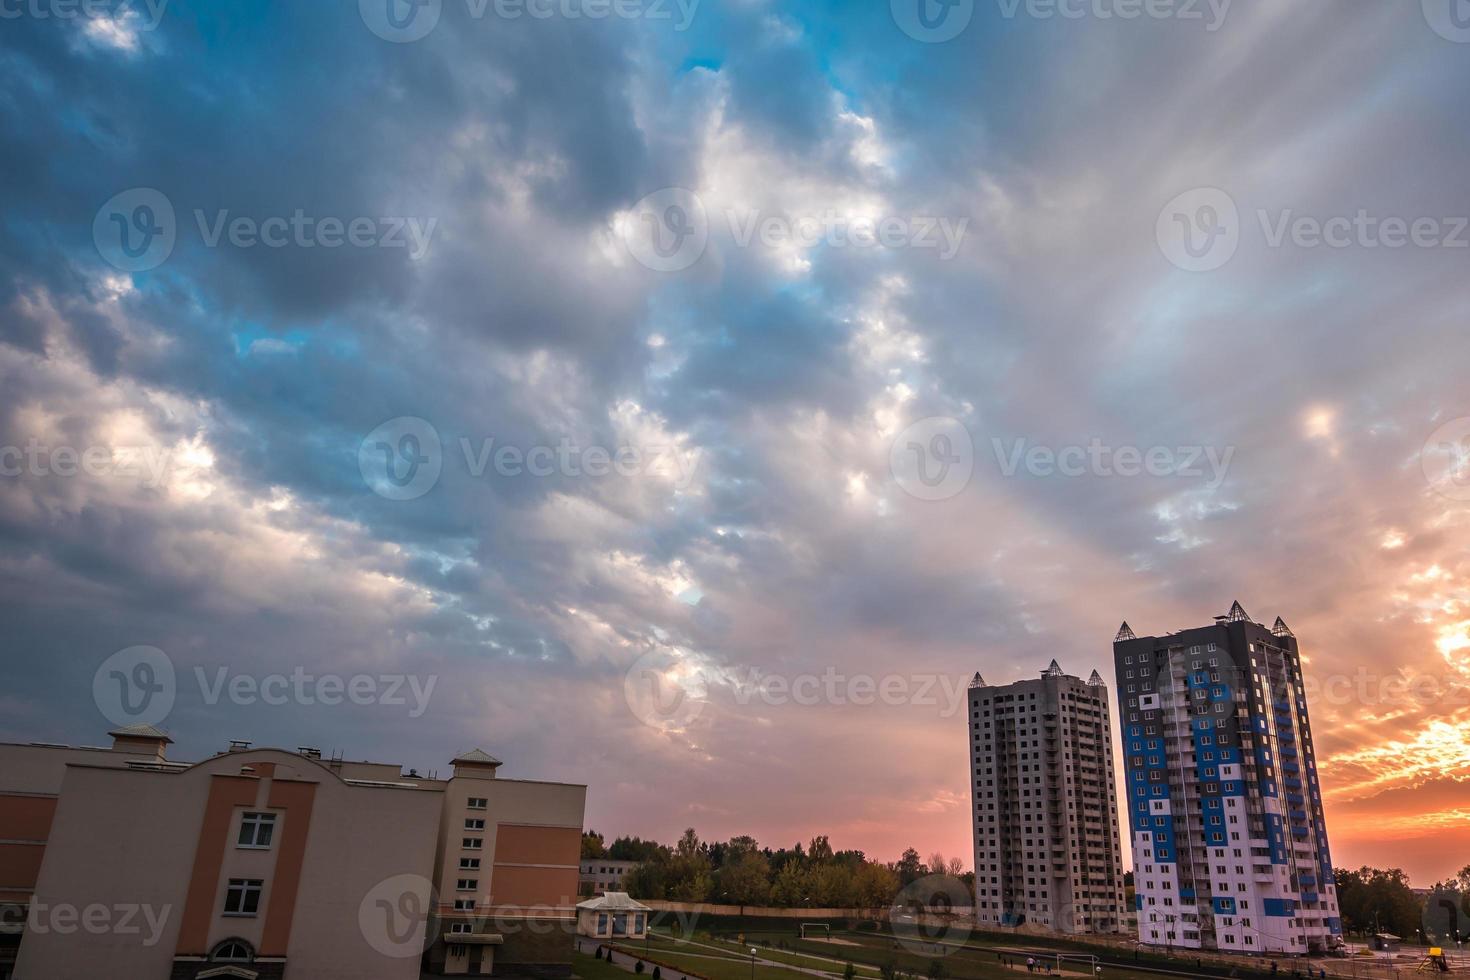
(1224, 808)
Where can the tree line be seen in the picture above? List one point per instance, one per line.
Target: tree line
(1376, 900)
(741, 872)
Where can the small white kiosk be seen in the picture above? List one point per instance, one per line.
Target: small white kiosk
(612, 916)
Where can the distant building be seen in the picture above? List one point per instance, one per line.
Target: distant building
(1229, 841)
(1047, 847)
(263, 863)
(601, 875)
(612, 916)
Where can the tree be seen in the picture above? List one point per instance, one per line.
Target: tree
(592, 846)
(634, 849)
(746, 879)
(743, 844)
(849, 972)
(688, 845)
(820, 850)
(791, 887)
(909, 868)
(1372, 899)
(688, 875)
(875, 886)
(832, 887)
(648, 880)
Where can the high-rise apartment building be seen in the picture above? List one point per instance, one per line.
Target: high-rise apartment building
(1047, 850)
(1229, 843)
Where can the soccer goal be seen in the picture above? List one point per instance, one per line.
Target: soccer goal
(823, 928)
(1084, 963)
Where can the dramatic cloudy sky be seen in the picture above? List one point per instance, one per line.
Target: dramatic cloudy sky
(191, 432)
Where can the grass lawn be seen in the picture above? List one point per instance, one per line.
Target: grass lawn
(591, 968)
(831, 960)
(708, 963)
(968, 963)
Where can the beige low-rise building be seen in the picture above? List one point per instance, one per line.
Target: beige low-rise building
(612, 916)
(266, 863)
(602, 875)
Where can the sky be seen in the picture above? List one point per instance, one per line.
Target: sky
(687, 399)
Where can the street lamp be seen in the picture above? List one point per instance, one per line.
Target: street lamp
(752, 963)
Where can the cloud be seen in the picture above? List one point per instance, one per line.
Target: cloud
(772, 379)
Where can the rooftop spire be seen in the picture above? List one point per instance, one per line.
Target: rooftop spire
(1054, 670)
(978, 680)
(1237, 613)
(1095, 680)
(1281, 629)
(1124, 633)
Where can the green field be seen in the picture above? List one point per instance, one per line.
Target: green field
(707, 962)
(591, 968)
(975, 959)
(874, 950)
(822, 956)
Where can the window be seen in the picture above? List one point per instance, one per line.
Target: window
(475, 803)
(257, 829)
(467, 884)
(464, 905)
(461, 928)
(474, 823)
(243, 896)
(232, 951)
(469, 864)
(472, 843)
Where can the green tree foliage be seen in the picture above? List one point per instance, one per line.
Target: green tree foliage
(740, 872)
(1372, 899)
(634, 849)
(745, 879)
(909, 868)
(592, 846)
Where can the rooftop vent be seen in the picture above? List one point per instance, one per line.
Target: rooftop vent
(239, 744)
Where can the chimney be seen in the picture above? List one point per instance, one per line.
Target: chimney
(140, 740)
